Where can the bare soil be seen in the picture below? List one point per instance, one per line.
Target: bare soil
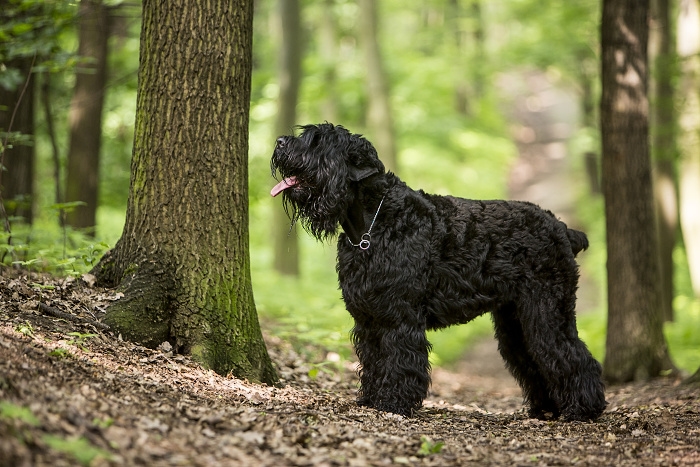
(72, 393)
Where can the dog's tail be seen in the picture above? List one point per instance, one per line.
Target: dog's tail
(577, 239)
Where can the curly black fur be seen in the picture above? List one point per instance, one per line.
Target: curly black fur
(436, 261)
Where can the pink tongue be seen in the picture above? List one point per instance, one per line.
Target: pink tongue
(283, 185)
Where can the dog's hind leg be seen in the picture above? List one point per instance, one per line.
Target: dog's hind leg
(572, 375)
(395, 371)
(511, 345)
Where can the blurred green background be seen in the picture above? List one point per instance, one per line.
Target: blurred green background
(468, 150)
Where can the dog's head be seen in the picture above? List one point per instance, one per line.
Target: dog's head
(318, 169)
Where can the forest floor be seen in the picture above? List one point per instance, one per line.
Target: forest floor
(73, 394)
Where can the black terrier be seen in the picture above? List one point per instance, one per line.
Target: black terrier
(409, 261)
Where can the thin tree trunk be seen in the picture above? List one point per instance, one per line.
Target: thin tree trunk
(183, 260)
(286, 259)
(328, 45)
(17, 179)
(85, 117)
(467, 26)
(695, 378)
(380, 120)
(51, 131)
(689, 134)
(586, 78)
(663, 123)
(635, 344)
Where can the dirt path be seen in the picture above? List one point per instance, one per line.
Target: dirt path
(71, 394)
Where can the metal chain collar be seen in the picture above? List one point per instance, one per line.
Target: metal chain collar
(366, 237)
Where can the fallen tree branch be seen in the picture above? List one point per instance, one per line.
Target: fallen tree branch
(48, 310)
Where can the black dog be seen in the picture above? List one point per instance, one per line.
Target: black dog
(409, 261)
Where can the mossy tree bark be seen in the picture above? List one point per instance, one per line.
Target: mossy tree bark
(635, 345)
(183, 258)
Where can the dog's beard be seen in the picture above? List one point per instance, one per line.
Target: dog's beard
(318, 211)
(304, 207)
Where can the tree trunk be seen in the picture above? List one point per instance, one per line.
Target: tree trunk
(183, 260)
(635, 345)
(689, 134)
(695, 378)
(379, 117)
(587, 75)
(289, 72)
(85, 117)
(51, 133)
(328, 45)
(17, 178)
(467, 26)
(663, 123)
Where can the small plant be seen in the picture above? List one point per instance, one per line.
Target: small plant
(62, 209)
(26, 264)
(79, 339)
(316, 367)
(26, 329)
(59, 353)
(428, 446)
(91, 253)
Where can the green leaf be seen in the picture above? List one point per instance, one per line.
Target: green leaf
(428, 446)
(26, 329)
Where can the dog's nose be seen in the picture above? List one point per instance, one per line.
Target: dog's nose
(281, 141)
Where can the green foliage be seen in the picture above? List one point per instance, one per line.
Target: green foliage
(79, 339)
(302, 311)
(553, 33)
(45, 247)
(32, 28)
(440, 149)
(327, 367)
(26, 329)
(79, 448)
(428, 446)
(60, 353)
(11, 411)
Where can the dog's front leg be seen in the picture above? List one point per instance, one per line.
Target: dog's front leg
(395, 371)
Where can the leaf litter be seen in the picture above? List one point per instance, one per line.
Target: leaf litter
(72, 393)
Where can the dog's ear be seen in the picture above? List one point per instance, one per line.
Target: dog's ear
(356, 173)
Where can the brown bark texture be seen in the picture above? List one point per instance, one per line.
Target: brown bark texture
(85, 118)
(663, 147)
(183, 259)
(635, 344)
